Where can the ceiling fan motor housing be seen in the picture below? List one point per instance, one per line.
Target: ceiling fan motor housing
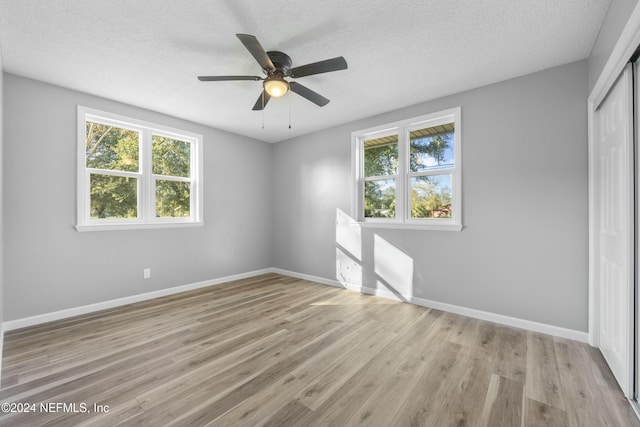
(281, 61)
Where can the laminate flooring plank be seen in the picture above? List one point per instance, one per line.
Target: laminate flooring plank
(345, 299)
(615, 410)
(133, 355)
(537, 414)
(321, 389)
(215, 377)
(542, 381)
(509, 354)
(313, 310)
(211, 409)
(353, 394)
(393, 390)
(402, 316)
(578, 385)
(311, 299)
(192, 377)
(110, 418)
(328, 359)
(67, 359)
(61, 329)
(208, 366)
(93, 340)
(226, 389)
(169, 339)
(503, 403)
(461, 397)
(417, 334)
(462, 330)
(288, 415)
(432, 336)
(97, 344)
(71, 392)
(233, 309)
(602, 372)
(426, 396)
(261, 406)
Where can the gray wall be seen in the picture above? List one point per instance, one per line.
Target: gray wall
(524, 249)
(614, 22)
(49, 266)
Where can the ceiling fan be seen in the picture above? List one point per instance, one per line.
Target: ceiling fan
(277, 65)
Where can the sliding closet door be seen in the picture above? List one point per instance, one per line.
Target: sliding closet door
(615, 227)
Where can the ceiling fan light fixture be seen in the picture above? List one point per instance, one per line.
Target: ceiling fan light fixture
(276, 87)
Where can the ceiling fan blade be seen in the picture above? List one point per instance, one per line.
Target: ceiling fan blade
(307, 93)
(253, 46)
(227, 78)
(260, 104)
(333, 64)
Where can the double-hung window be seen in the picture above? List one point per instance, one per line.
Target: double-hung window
(408, 173)
(135, 174)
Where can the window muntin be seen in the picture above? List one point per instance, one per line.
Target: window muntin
(134, 174)
(408, 173)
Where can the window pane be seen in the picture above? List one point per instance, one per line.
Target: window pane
(113, 196)
(111, 148)
(171, 157)
(380, 198)
(431, 196)
(432, 148)
(173, 199)
(381, 156)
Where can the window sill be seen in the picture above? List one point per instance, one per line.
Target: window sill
(410, 226)
(137, 226)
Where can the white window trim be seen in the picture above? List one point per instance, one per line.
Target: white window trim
(146, 180)
(402, 129)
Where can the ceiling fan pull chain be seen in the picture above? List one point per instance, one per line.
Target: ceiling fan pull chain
(289, 112)
(262, 109)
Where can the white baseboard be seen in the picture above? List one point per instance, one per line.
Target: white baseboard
(477, 314)
(456, 309)
(308, 277)
(63, 314)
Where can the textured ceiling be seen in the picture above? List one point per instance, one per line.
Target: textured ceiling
(148, 52)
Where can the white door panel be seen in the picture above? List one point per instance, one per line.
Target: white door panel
(615, 227)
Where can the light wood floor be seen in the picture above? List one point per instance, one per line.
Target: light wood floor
(278, 351)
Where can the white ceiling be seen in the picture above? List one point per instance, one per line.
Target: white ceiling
(148, 52)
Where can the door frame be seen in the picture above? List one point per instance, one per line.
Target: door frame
(624, 49)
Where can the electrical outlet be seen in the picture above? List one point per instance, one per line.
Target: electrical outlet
(146, 273)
